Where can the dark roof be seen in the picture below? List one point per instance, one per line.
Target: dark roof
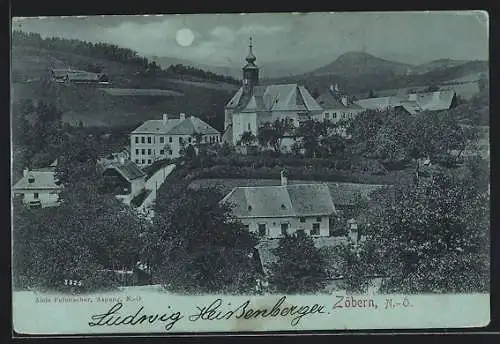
(128, 169)
(281, 201)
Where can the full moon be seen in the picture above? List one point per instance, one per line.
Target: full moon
(184, 37)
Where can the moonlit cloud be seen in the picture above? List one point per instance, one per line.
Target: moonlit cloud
(223, 39)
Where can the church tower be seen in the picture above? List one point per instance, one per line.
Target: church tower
(250, 70)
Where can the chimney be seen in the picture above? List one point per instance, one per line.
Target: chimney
(165, 118)
(344, 101)
(121, 160)
(182, 116)
(25, 172)
(332, 89)
(284, 180)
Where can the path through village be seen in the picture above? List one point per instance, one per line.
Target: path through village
(153, 184)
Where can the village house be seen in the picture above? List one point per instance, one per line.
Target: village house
(413, 103)
(338, 106)
(38, 187)
(69, 75)
(274, 211)
(255, 104)
(122, 177)
(167, 138)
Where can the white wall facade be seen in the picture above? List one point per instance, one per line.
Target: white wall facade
(337, 115)
(46, 198)
(160, 146)
(243, 122)
(273, 225)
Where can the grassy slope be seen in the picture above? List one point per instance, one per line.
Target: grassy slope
(96, 108)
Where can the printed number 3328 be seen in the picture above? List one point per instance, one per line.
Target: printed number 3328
(73, 282)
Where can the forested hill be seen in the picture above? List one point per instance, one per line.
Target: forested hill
(176, 89)
(115, 53)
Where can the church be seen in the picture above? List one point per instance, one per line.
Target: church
(255, 104)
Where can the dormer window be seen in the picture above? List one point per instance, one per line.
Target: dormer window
(249, 208)
(283, 206)
(31, 179)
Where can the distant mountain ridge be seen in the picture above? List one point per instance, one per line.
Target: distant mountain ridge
(358, 63)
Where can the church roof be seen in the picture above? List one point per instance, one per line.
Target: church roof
(269, 98)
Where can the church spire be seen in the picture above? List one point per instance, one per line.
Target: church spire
(251, 57)
(250, 71)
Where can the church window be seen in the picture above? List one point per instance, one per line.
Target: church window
(249, 127)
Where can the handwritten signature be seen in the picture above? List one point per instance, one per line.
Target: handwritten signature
(213, 311)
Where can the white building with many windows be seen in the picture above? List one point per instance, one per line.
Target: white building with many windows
(167, 138)
(274, 211)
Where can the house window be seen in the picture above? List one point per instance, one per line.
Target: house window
(206, 139)
(143, 139)
(149, 161)
(143, 152)
(136, 161)
(136, 152)
(162, 139)
(334, 115)
(149, 151)
(149, 139)
(170, 139)
(246, 227)
(318, 219)
(262, 229)
(35, 195)
(315, 229)
(302, 219)
(136, 139)
(217, 138)
(143, 161)
(180, 139)
(162, 151)
(189, 139)
(284, 228)
(169, 152)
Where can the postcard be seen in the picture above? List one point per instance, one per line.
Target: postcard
(248, 173)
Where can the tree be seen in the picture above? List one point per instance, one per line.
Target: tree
(300, 267)
(248, 138)
(435, 238)
(203, 248)
(271, 134)
(311, 131)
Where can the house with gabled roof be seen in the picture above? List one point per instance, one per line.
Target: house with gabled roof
(166, 138)
(38, 188)
(337, 106)
(122, 177)
(274, 211)
(254, 104)
(413, 103)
